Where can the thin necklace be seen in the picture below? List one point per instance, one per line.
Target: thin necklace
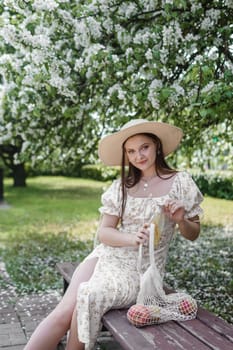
(146, 181)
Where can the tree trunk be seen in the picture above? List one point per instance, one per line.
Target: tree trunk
(1, 186)
(19, 175)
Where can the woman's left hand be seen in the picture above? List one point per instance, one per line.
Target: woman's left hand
(174, 209)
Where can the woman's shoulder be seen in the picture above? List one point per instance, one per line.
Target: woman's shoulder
(186, 181)
(178, 176)
(184, 174)
(183, 179)
(114, 186)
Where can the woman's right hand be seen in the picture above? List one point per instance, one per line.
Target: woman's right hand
(142, 236)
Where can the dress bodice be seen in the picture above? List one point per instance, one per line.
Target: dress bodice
(141, 210)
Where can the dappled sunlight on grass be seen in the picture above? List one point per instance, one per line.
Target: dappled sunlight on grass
(52, 203)
(82, 230)
(217, 211)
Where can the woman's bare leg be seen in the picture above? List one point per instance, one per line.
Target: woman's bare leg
(51, 330)
(72, 342)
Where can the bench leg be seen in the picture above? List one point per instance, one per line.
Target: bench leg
(65, 286)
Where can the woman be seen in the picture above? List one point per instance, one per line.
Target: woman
(108, 277)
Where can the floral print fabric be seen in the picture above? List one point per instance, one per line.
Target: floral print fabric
(116, 280)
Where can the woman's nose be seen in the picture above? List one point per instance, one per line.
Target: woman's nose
(139, 155)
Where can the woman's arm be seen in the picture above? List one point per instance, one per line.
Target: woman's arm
(110, 235)
(189, 228)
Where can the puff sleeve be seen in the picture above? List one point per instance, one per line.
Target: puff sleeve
(190, 195)
(111, 199)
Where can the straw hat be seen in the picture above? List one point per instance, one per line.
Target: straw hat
(110, 146)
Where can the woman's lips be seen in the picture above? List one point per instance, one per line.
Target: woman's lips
(142, 162)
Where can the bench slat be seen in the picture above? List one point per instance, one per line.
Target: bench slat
(206, 334)
(219, 325)
(179, 336)
(130, 337)
(167, 336)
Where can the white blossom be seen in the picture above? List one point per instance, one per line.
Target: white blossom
(89, 73)
(195, 6)
(190, 37)
(66, 16)
(92, 51)
(173, 100)
(214, 14)
(172, 34)
(45, 5)
(114, 88)
(115, 59)
(154, 101)
(130, 68)
(213, 54)
(8, 32)
(164, 2)
(108, 25)
(207, 23)
(129, 52)
(135, 101)
(94, 28)
(199, 59)
(149, 5)
(79, 64)
(149, 54)
(123, 36)
(229, 3)
(82, 35)
(156, 84)
(164, 54)
(103, 75)
(142, 37)
(179, 89)
(218, 41)
(208, 87)
(127, 9)
(121, 94)
(25, 145)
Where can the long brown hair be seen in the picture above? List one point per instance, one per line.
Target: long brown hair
(133, 175)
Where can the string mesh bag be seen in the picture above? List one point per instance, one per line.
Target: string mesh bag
(153, 305)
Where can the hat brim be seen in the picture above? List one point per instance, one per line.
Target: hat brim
(110, 146)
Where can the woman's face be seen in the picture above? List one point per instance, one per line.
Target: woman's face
(141, 152)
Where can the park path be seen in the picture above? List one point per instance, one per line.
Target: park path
(19, 316)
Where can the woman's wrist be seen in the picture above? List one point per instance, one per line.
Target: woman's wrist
(132, 241)
(189, 229)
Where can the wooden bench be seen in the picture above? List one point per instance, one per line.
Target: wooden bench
(205, 332)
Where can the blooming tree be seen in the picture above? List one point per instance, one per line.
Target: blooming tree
(72, 70)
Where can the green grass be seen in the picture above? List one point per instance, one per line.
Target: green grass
(52, 219)
(217, 211)
(52, 204)
(55, 219)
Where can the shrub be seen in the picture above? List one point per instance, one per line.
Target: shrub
(100, 172)
(215, 184)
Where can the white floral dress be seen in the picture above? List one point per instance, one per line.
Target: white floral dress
(115, 281)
